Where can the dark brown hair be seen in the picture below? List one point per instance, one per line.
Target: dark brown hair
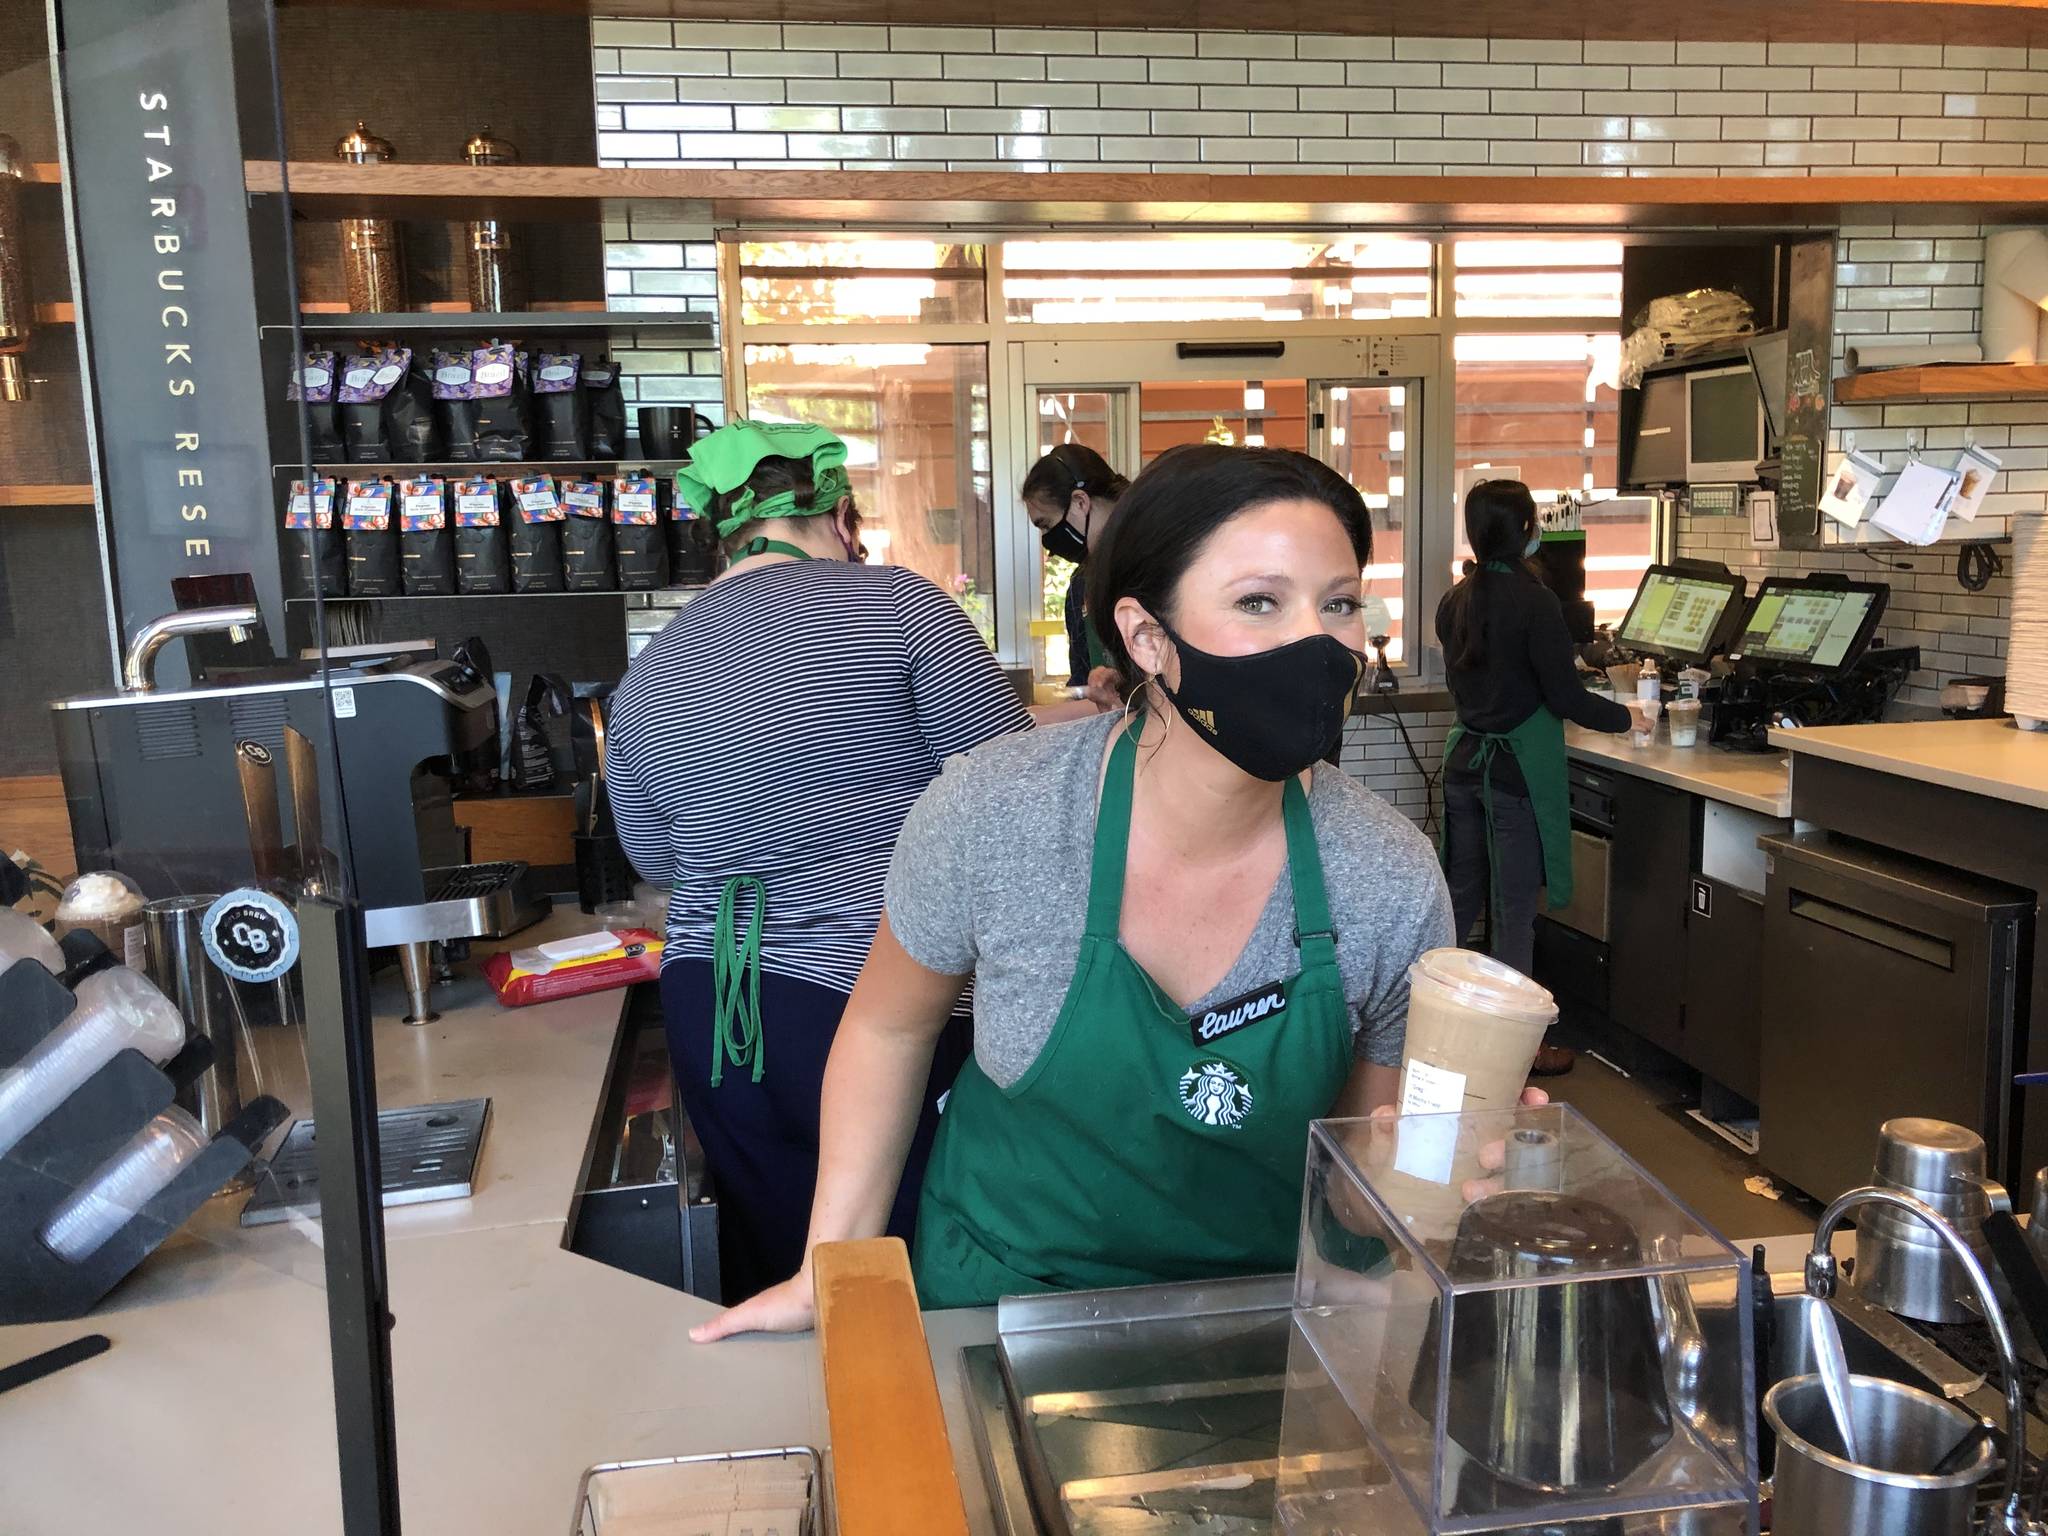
(1181, 499)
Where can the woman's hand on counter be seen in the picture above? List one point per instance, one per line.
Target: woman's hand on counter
(791, 1307)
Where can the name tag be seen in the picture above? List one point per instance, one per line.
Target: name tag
(1227, 1018)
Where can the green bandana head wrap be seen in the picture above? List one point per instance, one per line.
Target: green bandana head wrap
(723, 461)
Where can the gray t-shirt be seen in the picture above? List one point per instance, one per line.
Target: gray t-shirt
(990, 876)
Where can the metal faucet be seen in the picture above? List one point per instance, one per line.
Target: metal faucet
(2010, 1519)
(138, 667)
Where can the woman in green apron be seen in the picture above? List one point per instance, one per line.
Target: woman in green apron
(1507, 815)
(1167, 992)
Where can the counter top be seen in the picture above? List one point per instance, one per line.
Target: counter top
(1755, 781)
(1980, 757)
(518, 1364)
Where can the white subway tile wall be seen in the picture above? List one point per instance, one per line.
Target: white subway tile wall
(744, 94)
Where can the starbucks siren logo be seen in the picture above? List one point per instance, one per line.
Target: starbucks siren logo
(1214, 1094)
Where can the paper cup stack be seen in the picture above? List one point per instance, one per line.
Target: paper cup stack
(2026, 673)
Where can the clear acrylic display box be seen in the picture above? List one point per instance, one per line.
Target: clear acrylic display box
(1502, 1323)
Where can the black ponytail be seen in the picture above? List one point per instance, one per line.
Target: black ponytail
(1499, 517)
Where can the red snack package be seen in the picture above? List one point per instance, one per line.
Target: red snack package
(572, 967)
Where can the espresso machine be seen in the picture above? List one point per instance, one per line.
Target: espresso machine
(165, 788)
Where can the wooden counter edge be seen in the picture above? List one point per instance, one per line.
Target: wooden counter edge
(893, 1472)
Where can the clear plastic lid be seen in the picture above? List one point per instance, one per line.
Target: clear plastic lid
(133, 1011)
(1483, 983)
(23, 938)
(98, 896)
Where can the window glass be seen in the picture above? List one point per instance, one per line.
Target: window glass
(916, 423)
(1087, 417)
(1532, 277)
(1256, 278)
(862, 282)
(1367, 443)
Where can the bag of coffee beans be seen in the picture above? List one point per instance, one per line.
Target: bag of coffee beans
(503, 415)
(371, 400)
(312, 384)
(536, 533)
(588, 564)
(454, 403)
(481, 560)
(559, 408)
(604, 409)
(692, 545)
(426, 544)
(318, 558)
(640, 543)
(373, 562)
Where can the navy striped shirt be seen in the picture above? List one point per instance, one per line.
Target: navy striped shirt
(782, 726)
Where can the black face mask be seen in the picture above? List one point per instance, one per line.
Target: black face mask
(1272, 713)
(1065, 540)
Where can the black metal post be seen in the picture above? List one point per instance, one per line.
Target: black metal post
(334, 964)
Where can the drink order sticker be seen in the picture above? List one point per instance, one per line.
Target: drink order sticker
(1427, 1147)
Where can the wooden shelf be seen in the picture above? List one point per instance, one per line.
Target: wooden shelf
(1943, 381)
(438, 321)
(45, 495)
(501, 469)
(45, 173)
(56, 314)
(330, 189)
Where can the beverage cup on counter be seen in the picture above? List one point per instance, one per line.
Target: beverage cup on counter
(1642, 729)
(1474, 1026)
(1685, 722)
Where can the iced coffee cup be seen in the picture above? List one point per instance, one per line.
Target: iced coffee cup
(1474, 1025)
(1684, 715)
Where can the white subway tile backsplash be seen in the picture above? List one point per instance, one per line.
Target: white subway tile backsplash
(1918, 55)
(1956, 129)
(1049, 93)
(996, 120)
(1772, 128)
(1572, 102)
(1810, 103)
(1427, 99)
(787, 61)
(1583, 77)
(1319, 47)
(1151, 45)
(619, 88)
(1628, 154)
(944, 146)
(1349, 98)
(1506, 76)
(863, 93)
(1351, 151)
(1535, 154)
(1463, 49)
(1898, 154)
(1093, 67)
(1100, 120)
(840, 146)
(839, 37)
(1200, 71)
(1674, 77)
(1044, 40)
(1582, 128)
(893, 119)
(1719, 154)
(1244, 45)
(605, 32)
(1675, 128)
(1858, 129)
(1117, 95)
(1297, 72)
(1721, 104)
(1630, 103)
(1243, 150)
(1957, 55)
(1721, 53)
(890, 66)
(673, 61)
(1630, 53)
(2033, 130)
(1246, 98)
(976, 66)
(1153, 150)
(1805, 53)
(1393, 74)
(942, 39)
(1983, 154)
(636, 146)
(1287, 125)
(945, 93)
(1421, 152)
(1489, 125)
(1201, 122)
(1509, 50)
(1042, 146)
(764, 119)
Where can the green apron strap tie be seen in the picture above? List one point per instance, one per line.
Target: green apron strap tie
(767, 546)
(736, 982)
(1112, 835)
(1313, 934)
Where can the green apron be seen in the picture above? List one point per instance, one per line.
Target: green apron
(1537, 746)
(1131, 1151)
(736, 1033)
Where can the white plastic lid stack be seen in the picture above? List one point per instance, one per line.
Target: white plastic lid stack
(117, 1009)
(1484, 984)
(23, 938)
(123, 1185)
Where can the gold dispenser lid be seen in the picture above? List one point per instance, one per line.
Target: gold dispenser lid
(486, 148)
(364, 147)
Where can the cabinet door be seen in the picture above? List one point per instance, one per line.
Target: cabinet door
(1649, 873)
(1724, 967)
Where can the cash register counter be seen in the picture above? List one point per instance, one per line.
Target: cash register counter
(518, 1363)
(1660, 952)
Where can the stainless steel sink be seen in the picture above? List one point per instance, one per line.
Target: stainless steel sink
(1158, 1410)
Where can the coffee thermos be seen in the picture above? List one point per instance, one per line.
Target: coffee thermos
(15, 310)
(372, 250)
(497, 272)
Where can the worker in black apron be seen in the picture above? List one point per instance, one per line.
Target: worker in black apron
(1507, 813)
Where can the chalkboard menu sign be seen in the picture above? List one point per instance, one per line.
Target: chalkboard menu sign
(1802, 450)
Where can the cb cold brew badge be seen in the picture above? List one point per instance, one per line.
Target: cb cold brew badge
(251, 935)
